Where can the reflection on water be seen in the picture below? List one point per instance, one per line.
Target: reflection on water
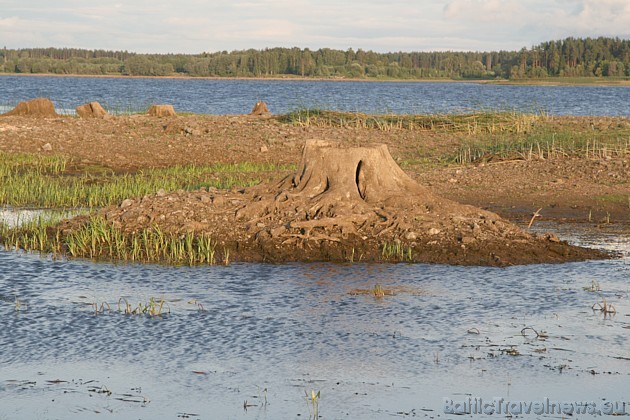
(250, 332)
(16, 217)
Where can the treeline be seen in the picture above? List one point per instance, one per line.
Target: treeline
(570, 57)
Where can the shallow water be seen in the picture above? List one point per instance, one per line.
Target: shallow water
(233, 332)
(220, 97)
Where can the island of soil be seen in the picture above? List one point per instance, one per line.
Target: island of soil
(348, 200)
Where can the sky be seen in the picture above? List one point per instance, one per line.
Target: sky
(193, 26)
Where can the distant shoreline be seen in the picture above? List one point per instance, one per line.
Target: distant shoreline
(551, 81)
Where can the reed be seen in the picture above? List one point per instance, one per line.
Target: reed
(542, 144)
(473, 123)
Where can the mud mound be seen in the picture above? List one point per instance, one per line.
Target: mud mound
(92, 110)
(260, 109)
(162, 111)
(39, 107)
(344, 204)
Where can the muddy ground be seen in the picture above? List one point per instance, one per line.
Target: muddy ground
(594, 191)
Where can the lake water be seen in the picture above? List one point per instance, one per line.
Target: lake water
(263, 335)
(221, 97)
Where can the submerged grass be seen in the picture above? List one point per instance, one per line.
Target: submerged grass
(45, 182)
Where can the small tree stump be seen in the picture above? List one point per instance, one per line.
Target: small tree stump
(260, 109)
(92, 110)
(162, 111)
(39, 107)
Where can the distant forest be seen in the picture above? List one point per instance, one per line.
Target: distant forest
(570, 57)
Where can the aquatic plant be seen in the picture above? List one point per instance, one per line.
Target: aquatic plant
(19, 305)
(541, 335)
(594, 287)
(153, 308)
(604, 307)
(396, 251)
(313, 403)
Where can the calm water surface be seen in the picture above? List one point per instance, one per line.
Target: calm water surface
(233, 332)
(238, 96)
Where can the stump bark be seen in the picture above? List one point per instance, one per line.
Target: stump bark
(39, 107)
(92, 110)
(260, 109)
(329, 170)
(162, 111)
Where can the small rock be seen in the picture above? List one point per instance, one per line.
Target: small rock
(434, 231)
(47, 147)
(410, 236)
(277, 231)
(142, 219)
(264, 149)
(205, 199)
(161, 192)
(452, 180)
(126, 203)
(468, 240)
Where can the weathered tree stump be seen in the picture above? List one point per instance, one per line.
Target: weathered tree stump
(260, 109)
(336, 173)
(92, 110)
(39, 107)
(162, 111)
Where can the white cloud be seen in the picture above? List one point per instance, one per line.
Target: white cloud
(193, 26)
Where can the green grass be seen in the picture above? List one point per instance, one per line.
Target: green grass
(396, 251)
(46, 182)
(615, 198)
(100, 240)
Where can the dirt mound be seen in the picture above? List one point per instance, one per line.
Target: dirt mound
(260, 109)
(39, 107)
(344, 204)
(162, 111)
(92, 110)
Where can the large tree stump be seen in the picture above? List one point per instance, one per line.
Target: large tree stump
(39, 107)
(329, 170)
(338, 187)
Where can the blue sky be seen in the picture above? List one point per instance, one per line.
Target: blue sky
(193, 26)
